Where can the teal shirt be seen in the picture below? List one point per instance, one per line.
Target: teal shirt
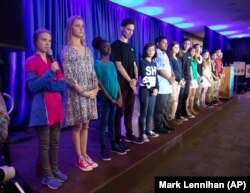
(194, 69)
(107, 75)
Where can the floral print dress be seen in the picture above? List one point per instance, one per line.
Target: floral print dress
(79, 69)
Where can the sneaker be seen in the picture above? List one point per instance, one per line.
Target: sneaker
(83, 165)
(145, 138)
(122, 144)
(124, 147)
(51, 182)
(152, 134)
(182, 118)
(209, 106)
(90, 161)
(105, 155)
(134, 139)
(117, 149)
(61, 177)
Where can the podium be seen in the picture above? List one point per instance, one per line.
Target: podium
(227, 83)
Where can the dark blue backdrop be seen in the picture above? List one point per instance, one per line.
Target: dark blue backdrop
(102, 18)
(213, 40)
(241, 49)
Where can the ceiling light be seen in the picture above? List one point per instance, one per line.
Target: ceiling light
(227, 32)
(172, 20)
(239, 35)
(217, 27)
(151, 10)
(184, 25)
(129, 3)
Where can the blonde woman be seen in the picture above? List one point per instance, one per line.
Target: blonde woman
(82, 89)
(207, 77)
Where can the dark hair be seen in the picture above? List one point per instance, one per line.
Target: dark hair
(195, 45)
(145, 48)
(186, 39)
(127, 21)
(37, 33)
(213, 52)
(189, 50)
(97, 41)
(170, 47)
(204, 51)
(159, 38)
(216, 49)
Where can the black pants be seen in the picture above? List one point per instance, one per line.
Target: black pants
(184, 92)
(128, 100)
(160, 113)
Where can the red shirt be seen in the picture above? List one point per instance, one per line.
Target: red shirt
(219, 66)
(53, 100)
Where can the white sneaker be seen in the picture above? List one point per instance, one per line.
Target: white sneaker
(152, 134)
(145, 138)
(182, 118)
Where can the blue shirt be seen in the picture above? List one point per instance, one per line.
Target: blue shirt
(107, 75)
(162, 63)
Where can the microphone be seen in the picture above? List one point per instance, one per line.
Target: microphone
(51, 57)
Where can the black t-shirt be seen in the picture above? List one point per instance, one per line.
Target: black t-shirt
(148, 74)
(124, 53)
(186, 63)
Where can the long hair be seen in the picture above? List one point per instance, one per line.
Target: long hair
(69, 30)
(206, 62)
(189, 51)
(170, 48)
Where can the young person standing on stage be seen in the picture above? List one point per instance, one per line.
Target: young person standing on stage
(45, 81)
(207, 78)
(166, 78)
(82, 89)
(122, 54)
(211, 90)
(194, 80)
(110, 97)
(199, 59)
(147, 91)
(184, 92)
(220, 74)
(179, 83)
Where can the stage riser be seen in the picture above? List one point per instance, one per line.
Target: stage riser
(140, 177)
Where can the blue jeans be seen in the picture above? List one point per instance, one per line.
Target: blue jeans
(108, 110)
(147, 105)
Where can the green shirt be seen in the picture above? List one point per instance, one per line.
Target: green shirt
(194, 69)
(107, 75)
